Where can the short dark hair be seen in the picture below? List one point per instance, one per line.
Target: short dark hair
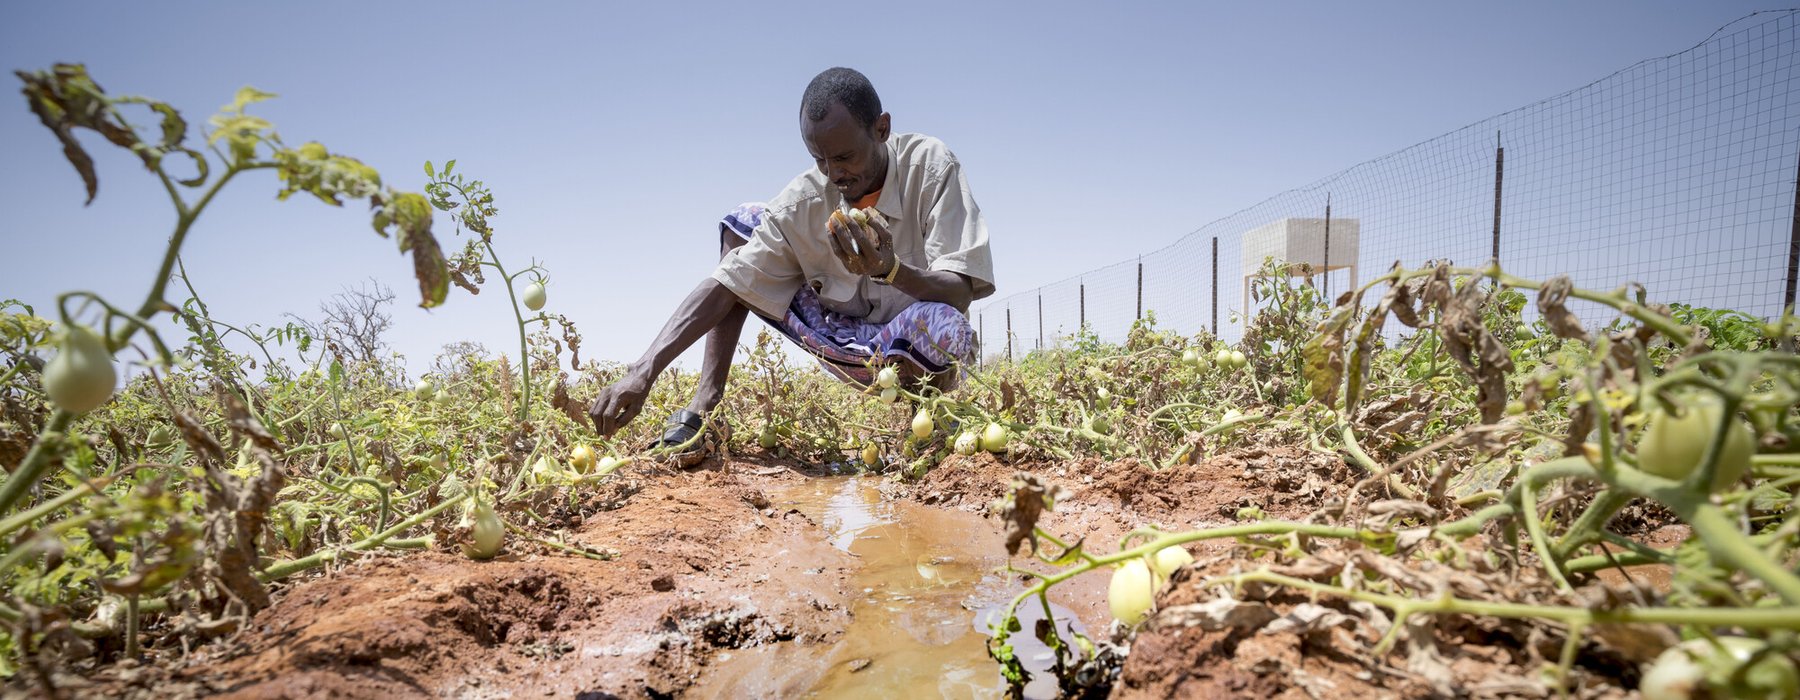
(842, 86)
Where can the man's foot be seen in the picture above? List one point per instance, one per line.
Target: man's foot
(680, 430)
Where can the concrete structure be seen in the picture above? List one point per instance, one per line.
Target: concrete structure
(1299, 242)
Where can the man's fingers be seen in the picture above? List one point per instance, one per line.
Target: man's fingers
(602, 414)
(598, 411)
(883, 237)
(626, 414)
(840, 246)
(871, 236)
(611, 411)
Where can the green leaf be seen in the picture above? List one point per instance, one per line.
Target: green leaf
(235, 127)
(449, 167)
(429, 171)
(337, 372)
(245, 95)
(174, 128)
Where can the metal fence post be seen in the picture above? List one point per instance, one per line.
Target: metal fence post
(1499, 174)
(1215, 285)
(1040, 320)
(1326, 284)
(1140, 312)
(1793, 244)
(1084, 305)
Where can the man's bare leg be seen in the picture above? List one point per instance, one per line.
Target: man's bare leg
(721, 345)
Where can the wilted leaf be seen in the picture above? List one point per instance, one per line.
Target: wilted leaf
(1324, 355)
(64, 99)
(1467, 339)
(410, 214)
(1216, 614)
(1026, 500)
(1551, 299)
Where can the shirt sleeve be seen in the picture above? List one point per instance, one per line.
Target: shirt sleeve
(764, 272)
(956, 237)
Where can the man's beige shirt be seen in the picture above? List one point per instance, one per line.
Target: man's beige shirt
(932, 216)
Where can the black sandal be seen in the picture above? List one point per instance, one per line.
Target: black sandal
(680, 428)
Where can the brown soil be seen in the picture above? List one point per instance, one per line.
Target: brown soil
(704, 565)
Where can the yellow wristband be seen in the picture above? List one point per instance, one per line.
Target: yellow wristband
(892, 273)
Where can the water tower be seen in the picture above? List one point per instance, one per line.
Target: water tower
(1299, 242)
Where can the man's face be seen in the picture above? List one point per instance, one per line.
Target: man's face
(850, 155)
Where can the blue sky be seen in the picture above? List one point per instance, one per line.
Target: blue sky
(614, 135)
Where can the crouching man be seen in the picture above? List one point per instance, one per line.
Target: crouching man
(894, 291)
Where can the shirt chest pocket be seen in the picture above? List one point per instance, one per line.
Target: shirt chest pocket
(910, 248)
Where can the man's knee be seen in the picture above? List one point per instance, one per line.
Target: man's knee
(728, 242)
(942, 317)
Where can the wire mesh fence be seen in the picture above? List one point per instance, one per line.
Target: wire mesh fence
(1678, 173)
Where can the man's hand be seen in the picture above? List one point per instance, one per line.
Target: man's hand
(875, 243)
(619, 402)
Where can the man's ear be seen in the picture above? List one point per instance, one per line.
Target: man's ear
(883, 126)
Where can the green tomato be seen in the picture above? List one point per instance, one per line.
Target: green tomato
(887, 378)
(1168, 559)
(1132, 590)
(1190, 358)
(768, 438)
(1699, 668)
(424, 388)
(994, 438)
(607, 465)
(161, 436)
(871, 455)
(582, 458)
(81, 376)
(1222, 358)
(889, 394)
(533, 296)
(486, 532)
(1673, 445)
(922, 425)
(1099, 424)
(967, 443)
(1238, 361)
(543, 471)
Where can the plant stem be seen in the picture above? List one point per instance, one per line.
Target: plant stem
(1586, 528)
(31, 469)
(524, 357)
(1750, 618)
(1730, 546)
(294, 566)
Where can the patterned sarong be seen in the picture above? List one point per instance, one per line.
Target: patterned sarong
(928, 334)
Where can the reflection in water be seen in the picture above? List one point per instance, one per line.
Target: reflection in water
(929, 581)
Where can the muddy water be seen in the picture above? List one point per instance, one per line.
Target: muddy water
(928, 580)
